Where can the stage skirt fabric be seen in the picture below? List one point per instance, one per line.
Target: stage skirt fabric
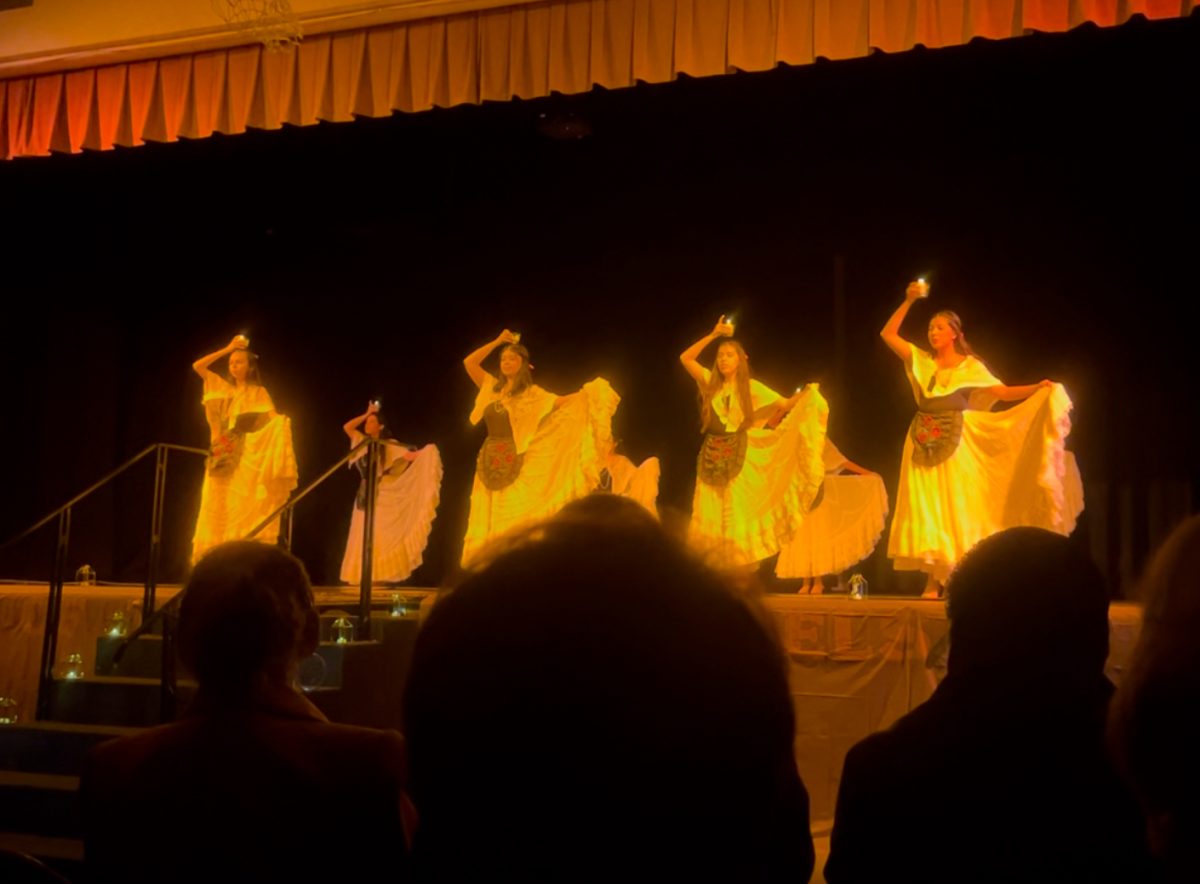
(751, 516)
(250, 473)
(405, 507)
(1009, 469)
(561, 459)
(638, 483)
(842, 530)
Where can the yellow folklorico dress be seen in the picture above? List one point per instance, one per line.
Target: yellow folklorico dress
(405, 507)
(252, 468)
(637, 482)
(842, 529)
(968, 472)
(536, 458)
(754, 486)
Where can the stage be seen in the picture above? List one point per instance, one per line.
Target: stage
(855, 666)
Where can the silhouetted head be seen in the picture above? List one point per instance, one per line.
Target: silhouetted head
(1029, 601)
(594, 697)
(247, 617)
(1154, 727)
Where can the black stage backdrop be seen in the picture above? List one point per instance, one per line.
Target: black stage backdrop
(1047, 186)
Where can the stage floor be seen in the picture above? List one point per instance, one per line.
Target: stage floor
(855, 666)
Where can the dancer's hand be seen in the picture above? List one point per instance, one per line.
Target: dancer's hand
(508, 337)
(238, 342)
(916, 290)
(723, 328)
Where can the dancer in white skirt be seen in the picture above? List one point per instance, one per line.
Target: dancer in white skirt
(638, 482)
(409, 486)
(843, 527)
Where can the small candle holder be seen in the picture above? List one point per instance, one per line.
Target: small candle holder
(73, 667)
(311, 673)
(117, 627)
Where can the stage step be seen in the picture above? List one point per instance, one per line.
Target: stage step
(52, 747)
(112, 700)
(142, 657)
(380, 620)
(58, 853)
(62, 855)
(40, 765)
(353, 682)
(42, 804)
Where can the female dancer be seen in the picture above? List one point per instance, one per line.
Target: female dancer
(407, 494)
(638, 482)
(252, 468)
(753, 483)
(967, 472)
(541, 452)
(843, 528)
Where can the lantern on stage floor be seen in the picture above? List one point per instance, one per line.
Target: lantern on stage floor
(858, 587)
(73, 667)
(311, 674)
(8, 711)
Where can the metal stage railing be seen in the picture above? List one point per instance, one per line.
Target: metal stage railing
(167, 614)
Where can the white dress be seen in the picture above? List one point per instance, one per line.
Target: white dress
(842, 529)
(405, 507)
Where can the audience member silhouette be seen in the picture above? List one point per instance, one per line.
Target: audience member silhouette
(1002, 775)
(1155, 724)
(253, 783)
(595, 703)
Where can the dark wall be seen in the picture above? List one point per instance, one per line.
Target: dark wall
(1046, 185)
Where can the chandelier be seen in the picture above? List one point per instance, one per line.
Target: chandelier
(270, 22)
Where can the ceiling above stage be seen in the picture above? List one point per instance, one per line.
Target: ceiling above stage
(73, 77)
(63, 34)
